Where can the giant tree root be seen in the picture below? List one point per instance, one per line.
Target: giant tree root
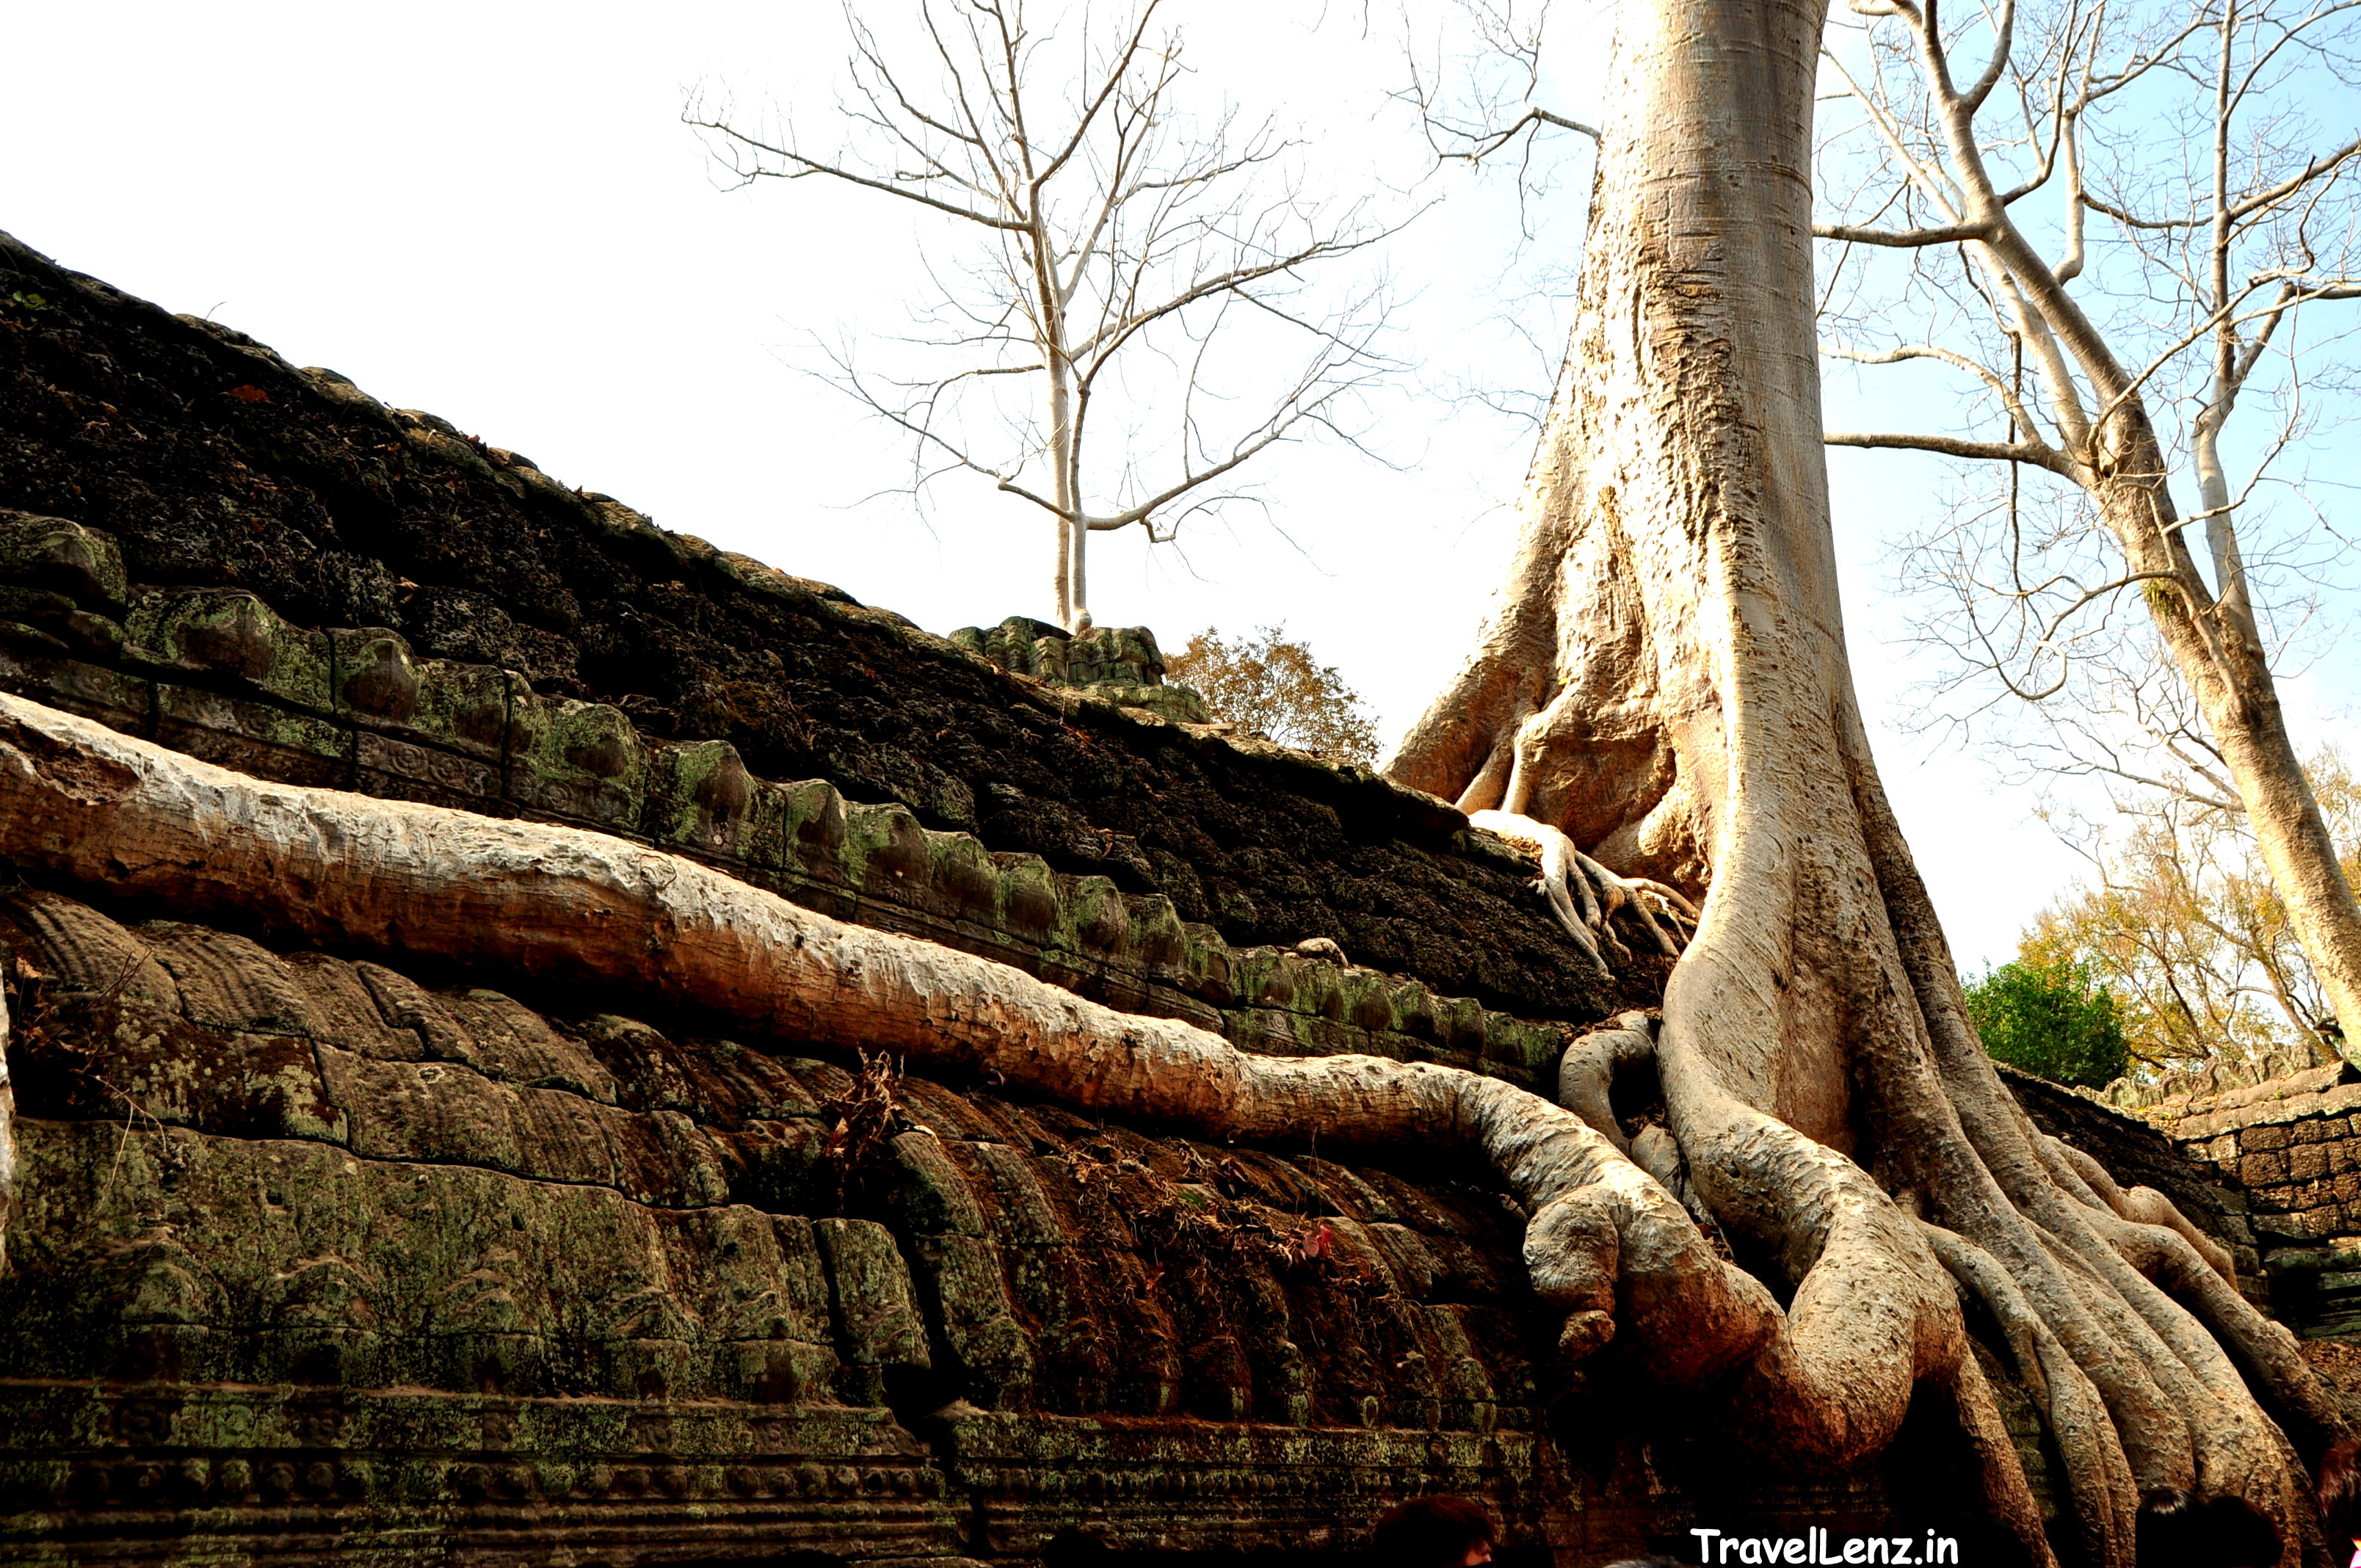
(1606, 1243)
(1585, 897)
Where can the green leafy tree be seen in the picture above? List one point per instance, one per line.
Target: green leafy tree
(1271, 684)
(2052, 1020)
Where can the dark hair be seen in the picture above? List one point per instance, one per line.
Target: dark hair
(2240, 1534)
(2175, 1529)
(2340, 1498)
(1432, 1533)
(2163, 1531)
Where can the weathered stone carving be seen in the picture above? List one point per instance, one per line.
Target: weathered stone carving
(334, 512)
(583, 763)
(1120, 664)
(407, 1211)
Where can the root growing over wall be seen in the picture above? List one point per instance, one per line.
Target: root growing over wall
(1822, 1380)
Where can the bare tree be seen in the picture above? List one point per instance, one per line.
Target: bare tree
(2199, 212)
(1120, 245)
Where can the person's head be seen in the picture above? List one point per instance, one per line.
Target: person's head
(1435, 1532)
(2163, 1531)
(2340, 1501)
(2176, 1530)
(2239, 1534)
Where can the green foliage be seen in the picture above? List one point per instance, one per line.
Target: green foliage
(1269, 684)
(2052, 1020)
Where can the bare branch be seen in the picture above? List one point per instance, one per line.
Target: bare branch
(1902, 239)
(2036, 454)
(1483, 145)
(802, 167)
(2193, 126)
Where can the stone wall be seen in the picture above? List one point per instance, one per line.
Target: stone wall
(2211, 1079)
(216, 673)
(1122, 663)
(215, 466)
(2137, 1152)
(318, 1260)
(2271, 1169)
(304, 1233)
(2293, 1147)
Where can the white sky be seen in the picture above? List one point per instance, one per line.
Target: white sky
(490, 211)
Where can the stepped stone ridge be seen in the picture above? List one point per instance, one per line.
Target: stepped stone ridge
(360, 710)
(1121, 664)
(212, 465)
(324, 1256)
(405, 1252)
(2208, 1080)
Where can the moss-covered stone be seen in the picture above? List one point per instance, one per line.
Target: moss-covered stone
(468, 709)
(475, 736)
(52, 554)
(377, 676)
(877, 1318)
(702, 800)
(318, 1261)
(577, 761)
(883, 852)
(251, 736)
(115, 698)
(230, 633)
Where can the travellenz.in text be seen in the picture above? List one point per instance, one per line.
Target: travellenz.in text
(1815, 1545)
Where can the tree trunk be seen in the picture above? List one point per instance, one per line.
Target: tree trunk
(1666, 680)
(1078, 577)
(1062, 587)
(1070, 537)
(2212, 636)
(1049, 338)
(2217, 648)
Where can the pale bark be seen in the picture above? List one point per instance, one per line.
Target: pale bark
(1665, 681)
(2219, 652)
(1823, 1385)
(1585, 897)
